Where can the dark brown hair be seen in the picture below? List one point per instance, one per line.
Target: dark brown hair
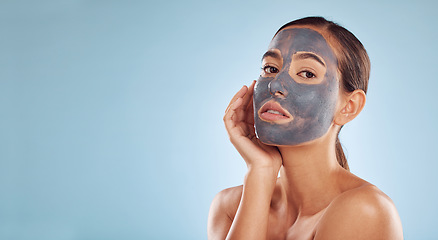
(353, 62)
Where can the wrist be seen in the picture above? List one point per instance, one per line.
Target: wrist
(265, 170)
(262, 174)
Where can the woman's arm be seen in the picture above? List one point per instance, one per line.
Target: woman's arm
(263, 162)
(230, 204)
(251, 220)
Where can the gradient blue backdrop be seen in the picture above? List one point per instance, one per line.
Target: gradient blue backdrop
(111, 111)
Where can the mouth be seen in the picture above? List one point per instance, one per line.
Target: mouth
(273, 112)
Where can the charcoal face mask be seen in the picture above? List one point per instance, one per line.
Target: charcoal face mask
(312, 106)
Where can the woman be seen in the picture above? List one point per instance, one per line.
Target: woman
(313, 81)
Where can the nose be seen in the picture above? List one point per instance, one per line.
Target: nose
(276, 89)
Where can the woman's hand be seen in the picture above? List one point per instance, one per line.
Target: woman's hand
(264, 162)
(239, 122)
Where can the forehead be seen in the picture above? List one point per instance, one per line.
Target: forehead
(292, 40)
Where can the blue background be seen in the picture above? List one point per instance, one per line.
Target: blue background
(111, 111)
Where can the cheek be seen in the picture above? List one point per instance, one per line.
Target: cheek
(262, 84)
(312, 101)
(324, 99)
(331, 89)
(261, 90)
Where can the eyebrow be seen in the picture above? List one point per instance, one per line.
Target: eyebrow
(310, 55)
(271, 54)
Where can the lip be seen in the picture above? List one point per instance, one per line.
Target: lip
(272, 117)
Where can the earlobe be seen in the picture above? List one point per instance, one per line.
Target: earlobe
(352, 105)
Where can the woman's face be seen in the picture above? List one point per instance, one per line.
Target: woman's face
(295, 96)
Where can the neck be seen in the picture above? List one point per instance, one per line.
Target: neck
(309, 175)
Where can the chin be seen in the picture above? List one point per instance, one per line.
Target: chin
(289, 142)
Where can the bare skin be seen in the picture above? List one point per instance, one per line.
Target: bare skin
(314, 197)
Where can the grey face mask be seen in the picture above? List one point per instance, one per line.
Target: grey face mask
(311, 106)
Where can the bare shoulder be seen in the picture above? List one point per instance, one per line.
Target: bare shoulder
(228, 200)
(222, 211)
(364, 212)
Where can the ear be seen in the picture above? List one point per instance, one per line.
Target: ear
(351, 105)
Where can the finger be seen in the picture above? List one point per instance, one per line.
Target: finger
(242, 115)
(250, 112)
(248, 95)
(242, 112)
(250, 106)
(252, 86)
(240, 93)
(228, 118)
(236, 104)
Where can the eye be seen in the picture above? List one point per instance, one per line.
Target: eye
(269, 69)
(306, 74)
